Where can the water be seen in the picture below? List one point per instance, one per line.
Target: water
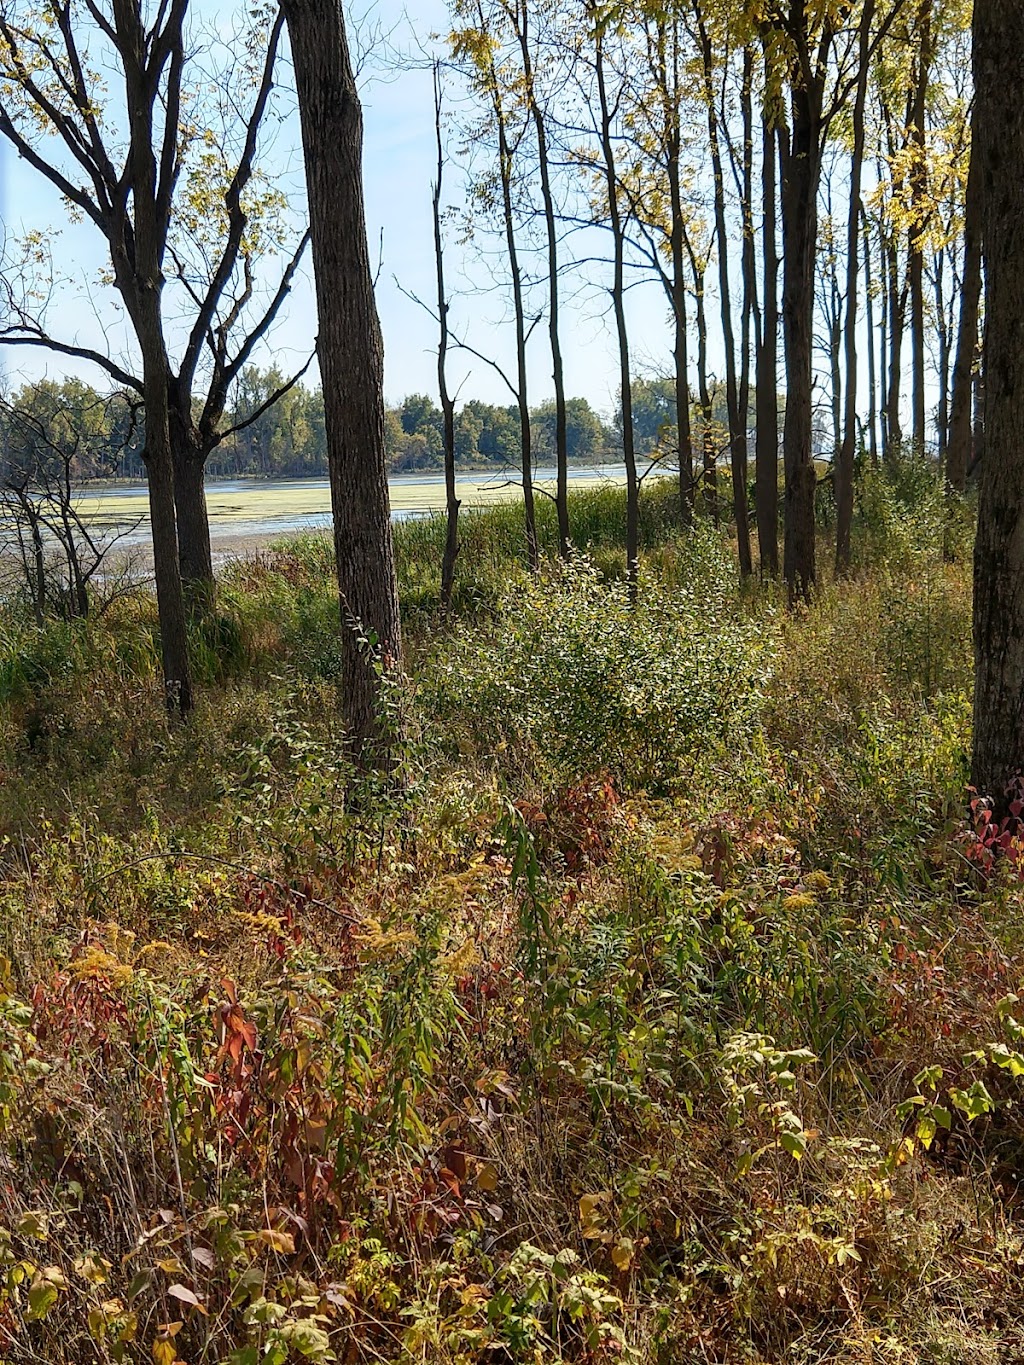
(247, 511)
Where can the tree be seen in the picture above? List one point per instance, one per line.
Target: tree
(49, 114)
(845, 457)
(998, 756)
(351, 357)
(451, 543)
(213, 218)
(959, 447)
(475, 45)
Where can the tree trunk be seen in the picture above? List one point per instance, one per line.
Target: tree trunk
(766, 453)
(551, 231)
(351, 357)
(959, 448)
(845, 462)
(897, 321)
(452, 504)
(169, 597)
(619, 306)
(919, 223)
(709, 472)
(737, 422)
(195, 556)
(999, 551)
(680, 348)
(801, 173)
(872, 367)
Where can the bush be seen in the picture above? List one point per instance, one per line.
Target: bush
(573, 677)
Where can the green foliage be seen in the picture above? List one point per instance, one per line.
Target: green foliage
(572, 676)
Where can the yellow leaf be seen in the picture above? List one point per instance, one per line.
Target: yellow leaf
(487, 1178)
(282, 1242)
(92, 1267)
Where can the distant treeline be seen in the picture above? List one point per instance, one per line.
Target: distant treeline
(102, 432)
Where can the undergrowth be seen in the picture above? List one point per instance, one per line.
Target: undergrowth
(660, 1006)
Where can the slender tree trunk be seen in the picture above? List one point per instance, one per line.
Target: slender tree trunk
(551, 233)
(959, 448)
(942, 336)
(847, 452)
(883, 342)
(351, 362)
(680, 349)
(919, 224)
(801, 174)
(619, 306)
(505, 169)
(897, 324)
(750, 314)
(737, 424)
(452, 503)
(767, 447)
(998, 757)
(872, 365)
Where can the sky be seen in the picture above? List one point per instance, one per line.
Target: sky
(399, 167)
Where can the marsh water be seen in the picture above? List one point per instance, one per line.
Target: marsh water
(247, 512)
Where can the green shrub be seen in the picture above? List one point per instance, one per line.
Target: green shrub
(574, 677)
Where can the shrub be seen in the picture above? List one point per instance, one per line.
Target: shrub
(573, 677)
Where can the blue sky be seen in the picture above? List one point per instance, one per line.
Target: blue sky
(399, 168)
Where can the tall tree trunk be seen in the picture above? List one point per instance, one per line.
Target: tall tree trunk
(919, 223)
(351, 357)
(737, 423)
(619, 306)
(897, 326)
(137, 256)
(959, 447)
(680, 348)
(942, 336)
(766, 457)
(801, 174)
(750, 314)
(551, 232)
(452, 503)
(505, 170)
(845, 463)
(883, 341)
(999, 552)
(869, 299)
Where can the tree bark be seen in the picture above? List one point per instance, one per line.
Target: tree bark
(998, 755)
(351, 357)
(958, 450)
(195, 556)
